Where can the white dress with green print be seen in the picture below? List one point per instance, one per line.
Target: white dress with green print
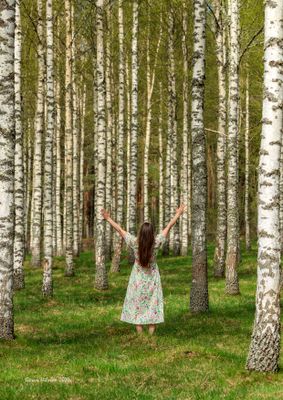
(144, 298)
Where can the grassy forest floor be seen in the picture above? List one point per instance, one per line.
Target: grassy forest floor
(74, 346)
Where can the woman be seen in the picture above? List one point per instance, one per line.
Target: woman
(143, 303)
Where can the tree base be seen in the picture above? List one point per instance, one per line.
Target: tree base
(264, 350)
(7, 328)
(18, 280)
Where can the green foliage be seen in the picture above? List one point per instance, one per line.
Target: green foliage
(77, 337)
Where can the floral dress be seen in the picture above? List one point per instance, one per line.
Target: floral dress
(144, 298)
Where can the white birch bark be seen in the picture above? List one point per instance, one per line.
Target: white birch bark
(128, 141)
(47, 287)
(265, 342)
(59, 244)
(69, 269)
(115, 267)
(134, 123)
(150, 86)
(161, 174)
(232, 256)
(199, 287)
(174, 243)
(247, 168)
(109, 129)
(19, 240)
(184, 172)
(221, 228)
(101, 281)
(37, 161)
(75, 143)
(7, 127)
(281, 196)
(83, 113)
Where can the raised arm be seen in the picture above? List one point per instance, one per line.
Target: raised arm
(116, 226)
(179, 212)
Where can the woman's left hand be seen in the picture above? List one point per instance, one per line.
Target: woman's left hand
(105, 213)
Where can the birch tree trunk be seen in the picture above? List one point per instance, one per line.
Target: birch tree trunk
(128, 141)
(150, 86)
(47, 289)
(75, 143)
(69, 269)
(19, 241)
(134, 125)
(232, 256)
(265, 342)
(7, 127)
(109, 129)
(173, 121)
(199, 287)
(247, 168)
(161, 180)
(281, 194)
(115, 267)
(37, 161)
(184, 176)
(221, 229)
(83, 113)
(59, 244)
(101, 281)
(167, 197)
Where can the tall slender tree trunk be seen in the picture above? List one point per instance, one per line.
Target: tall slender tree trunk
(7, 158)
(120, 148)
(281, 195)
(184, 176)
(232, 256)
(150, 73)
(221, 229)
(47, 289)
(109, 130)
(37, 161)
(101, 281)
(199, 287)
(175, 238)
(83, 113)
(75, 142)
(247, 168)
(161, 175)
(134, 126)
(265, 342)
(69, 269)
(128, 141)
(19, 241)
(59, 244)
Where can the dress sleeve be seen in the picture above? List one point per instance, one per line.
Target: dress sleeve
(160, 240)
(130, 240)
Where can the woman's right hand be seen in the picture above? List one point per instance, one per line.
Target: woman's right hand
(180, 210)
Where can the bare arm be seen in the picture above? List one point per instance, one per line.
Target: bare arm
(116, 226)
(179, 212)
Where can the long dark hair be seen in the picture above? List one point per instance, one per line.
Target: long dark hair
(145, 243)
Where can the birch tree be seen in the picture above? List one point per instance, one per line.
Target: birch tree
(247, 168)
(265, 342)
(172, 126)
(184, 175)
(19, 241)
(221, 229)
(232, 256)
(199, 287)
(101, 281)
(37, 160)
(161, 180)
(7, 127)
(47, 289)
(57, 133)
(134, 122)
(69, 270)
(150, 79)
(120, 145)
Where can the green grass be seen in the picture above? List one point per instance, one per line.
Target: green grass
(74, 346)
